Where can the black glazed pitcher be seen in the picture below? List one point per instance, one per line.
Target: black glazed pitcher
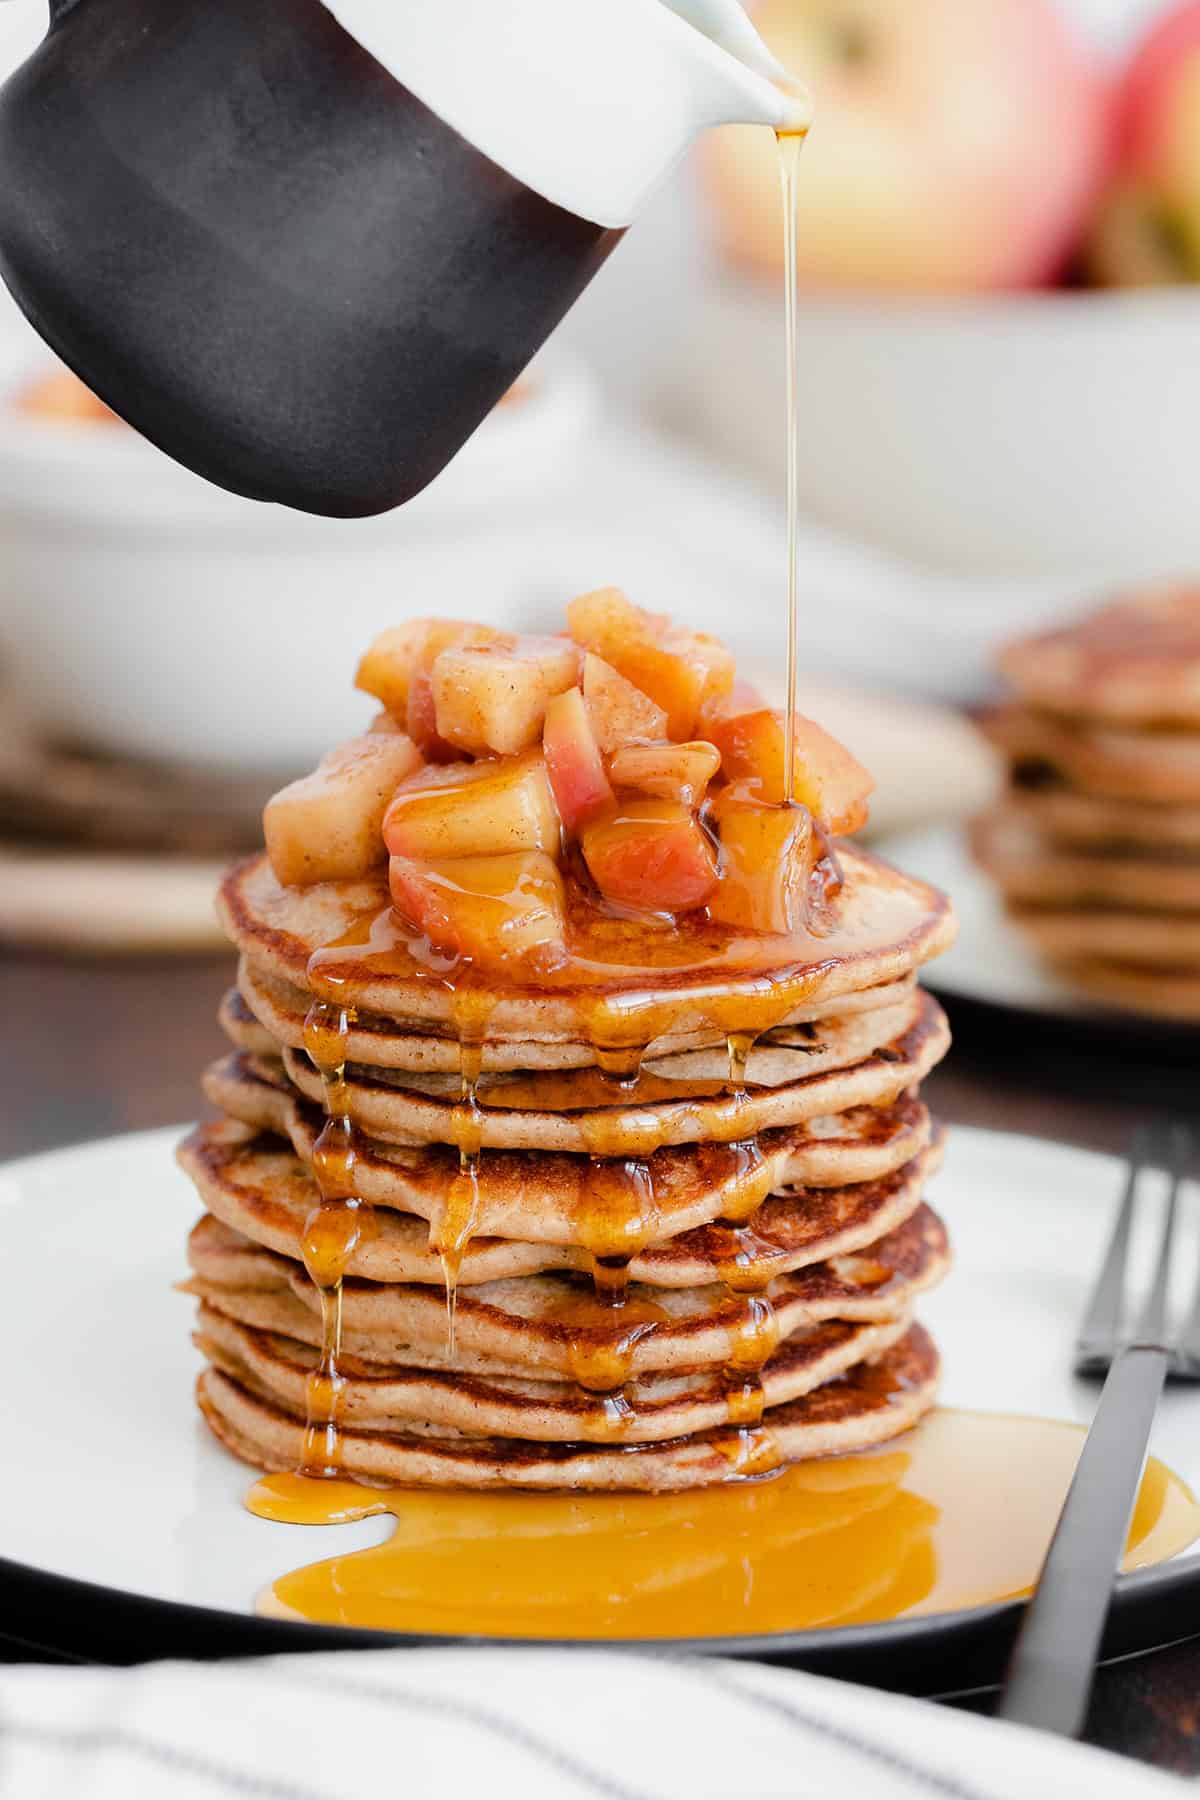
(306, 247)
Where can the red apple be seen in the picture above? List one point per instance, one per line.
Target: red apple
(957, 145)
(573, 760)
(1148, 227)
(651, 856)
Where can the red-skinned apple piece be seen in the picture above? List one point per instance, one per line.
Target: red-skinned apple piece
(650, 856)
(828, 780)
(489, 908)
(573, 761)
(960, 146)
(421, 720)
(1147, 228)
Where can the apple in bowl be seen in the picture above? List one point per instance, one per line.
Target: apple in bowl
(1147, 230)
(958, 146)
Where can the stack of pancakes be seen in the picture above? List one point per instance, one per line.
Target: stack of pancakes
(1096, 844)
(699, 1271)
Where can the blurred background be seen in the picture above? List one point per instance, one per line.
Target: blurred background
(999, 237)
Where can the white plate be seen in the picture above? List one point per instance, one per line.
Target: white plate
(991, 961)
(112, 1479)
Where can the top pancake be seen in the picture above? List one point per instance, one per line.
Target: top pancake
(622, 980)
(1135, 662)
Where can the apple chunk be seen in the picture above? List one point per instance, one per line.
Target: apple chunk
(828, 780)
(474, 809)
(421, 719)
(619, 712)
(329, 825)
(573, 760)
(682, 671)
(670, 771)
(652, 856)
(767, 855)
(392, 659)
(491, 699)
(490, 908)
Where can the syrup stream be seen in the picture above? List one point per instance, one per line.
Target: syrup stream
(790, 145)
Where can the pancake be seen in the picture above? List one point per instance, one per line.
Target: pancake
(434, 1403)
(551, 1326)
(262, 1013)
(870, 1404)
(1069, 818)
(260, 1189)
(1029, 869)
(401, 1115)
(552, 1198)
(887, 925)
(1166, 993)
(1150, 940)
(1161, 768)
(1134, 662)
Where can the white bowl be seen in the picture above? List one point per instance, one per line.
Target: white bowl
(145, 612)
(1052, 436)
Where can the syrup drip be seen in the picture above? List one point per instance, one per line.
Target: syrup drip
(616, 1218)
(960, 1515)
(601, 1339)
(459, 1219)
(333, 1232)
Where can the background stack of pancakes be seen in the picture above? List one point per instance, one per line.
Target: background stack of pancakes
(1096, 845)
(731, 1286)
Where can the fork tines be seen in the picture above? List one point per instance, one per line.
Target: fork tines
(1103, 1333)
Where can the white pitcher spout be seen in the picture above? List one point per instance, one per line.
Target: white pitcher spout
(588, 102)
(727, 24)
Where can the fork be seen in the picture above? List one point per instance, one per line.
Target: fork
(1054, 1659)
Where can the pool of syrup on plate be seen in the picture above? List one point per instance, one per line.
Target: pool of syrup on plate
(930, 1523)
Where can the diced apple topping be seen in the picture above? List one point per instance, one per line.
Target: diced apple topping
(828, 780)
(328, 826)
(386, 724)
(767, 855)
(474, 809)
(651, 856)
(671, 771)
(619, 712)
(573, 760)
(743, 697)
(388, 666)
(421, 719)
(681, 671)
(491, 699)
(484, 907)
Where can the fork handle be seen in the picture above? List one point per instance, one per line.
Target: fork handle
(1054, 1659)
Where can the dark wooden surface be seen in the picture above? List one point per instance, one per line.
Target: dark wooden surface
(95, 1048)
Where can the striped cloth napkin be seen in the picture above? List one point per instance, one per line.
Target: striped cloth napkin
(536, 1724)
